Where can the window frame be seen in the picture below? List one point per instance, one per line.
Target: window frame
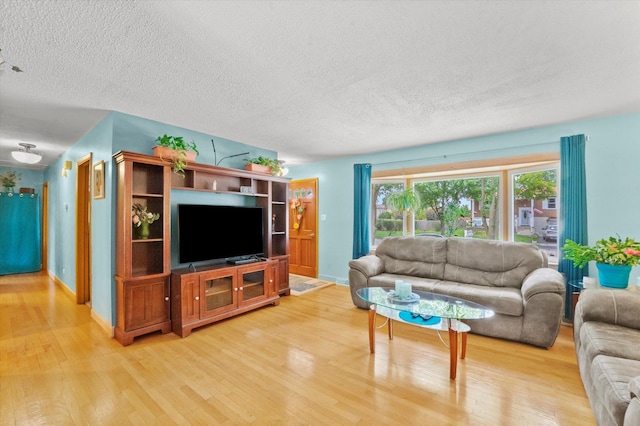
(504, 168)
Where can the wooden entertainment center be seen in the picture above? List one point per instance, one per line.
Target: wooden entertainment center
(151, 297)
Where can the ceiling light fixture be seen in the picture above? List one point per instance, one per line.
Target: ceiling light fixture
(25, 155)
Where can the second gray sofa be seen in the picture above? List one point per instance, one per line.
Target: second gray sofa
(512, 279)
(606, 330)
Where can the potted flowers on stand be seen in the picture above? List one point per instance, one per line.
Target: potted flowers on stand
(614, 259)
(141, 219)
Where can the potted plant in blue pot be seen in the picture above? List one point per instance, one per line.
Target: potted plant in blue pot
(614, 259)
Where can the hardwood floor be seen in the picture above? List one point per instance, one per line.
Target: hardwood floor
(305, 362)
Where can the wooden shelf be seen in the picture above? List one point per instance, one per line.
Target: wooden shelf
(246, 194)
(215, 293)
(142, 265)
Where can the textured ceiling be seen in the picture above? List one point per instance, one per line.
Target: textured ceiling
(314, 80)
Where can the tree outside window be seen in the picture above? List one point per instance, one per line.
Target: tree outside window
(460, 207)
(533, 216)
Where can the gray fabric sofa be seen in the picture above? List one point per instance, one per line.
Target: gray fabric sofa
(512, 279)
(606, 329)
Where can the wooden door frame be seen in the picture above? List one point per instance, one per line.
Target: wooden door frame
(317, 221)
(83, 229)
(45, 227)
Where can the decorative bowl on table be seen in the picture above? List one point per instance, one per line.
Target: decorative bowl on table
(394, 298)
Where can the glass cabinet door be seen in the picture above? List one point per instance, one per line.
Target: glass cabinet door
(219, 293)
(253, 283)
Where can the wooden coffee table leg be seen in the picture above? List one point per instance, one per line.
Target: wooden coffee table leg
(390, 329)
(453, 352)
(463, 350)
(372, 328)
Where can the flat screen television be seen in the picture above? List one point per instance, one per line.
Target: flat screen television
(208, 232)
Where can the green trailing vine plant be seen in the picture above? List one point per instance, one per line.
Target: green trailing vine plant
(178, 144)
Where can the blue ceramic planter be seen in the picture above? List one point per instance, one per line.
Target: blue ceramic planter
(614, 276)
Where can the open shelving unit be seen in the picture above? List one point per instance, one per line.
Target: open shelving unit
(149, 296)
(142, 265)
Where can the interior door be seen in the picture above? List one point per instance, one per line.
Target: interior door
(303, 227)
(83, 230)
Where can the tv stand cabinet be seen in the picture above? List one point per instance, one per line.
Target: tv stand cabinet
(145, 284)
(220, 291)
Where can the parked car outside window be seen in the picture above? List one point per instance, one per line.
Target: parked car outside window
(551, 231)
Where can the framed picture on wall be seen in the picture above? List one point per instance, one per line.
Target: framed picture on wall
(98, 180)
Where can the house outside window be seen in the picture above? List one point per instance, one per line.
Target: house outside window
(549, 203)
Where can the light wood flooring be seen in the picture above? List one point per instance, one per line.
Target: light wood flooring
(305, 362)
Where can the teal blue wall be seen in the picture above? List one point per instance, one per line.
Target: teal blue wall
(120, 132)
(613, 161)
(62, 211)
(139, 135)
(613, 180)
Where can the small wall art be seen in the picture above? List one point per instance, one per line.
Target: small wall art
(98, 180)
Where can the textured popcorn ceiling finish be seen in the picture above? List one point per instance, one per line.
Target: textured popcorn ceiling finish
(314, 80)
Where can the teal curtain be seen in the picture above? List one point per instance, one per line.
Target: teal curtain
(361, 200)
(19, 233)
(573, 207)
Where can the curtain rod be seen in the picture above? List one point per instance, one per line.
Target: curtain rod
(466, 153)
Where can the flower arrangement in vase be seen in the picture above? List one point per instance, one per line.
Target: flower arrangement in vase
(142, 218)
(612, 256)
(10, 180)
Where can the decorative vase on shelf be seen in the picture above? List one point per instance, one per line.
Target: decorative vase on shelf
(143, 231)
(613, 276)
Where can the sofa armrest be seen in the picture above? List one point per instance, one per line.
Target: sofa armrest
(619, 307)
(368, 266)
(632, 415)
(634, 387)
(542, 280)
(359, 272)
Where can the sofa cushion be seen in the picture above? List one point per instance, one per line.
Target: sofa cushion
(599, 338)
(491, 263)
(417, 257)
(501, 300)
(611, 377)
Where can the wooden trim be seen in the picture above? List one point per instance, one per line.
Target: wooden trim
(45, 226)
(504, 179)
(465, 169)
(83, 226)
(102, 323)
(466, 166)
(62, 286)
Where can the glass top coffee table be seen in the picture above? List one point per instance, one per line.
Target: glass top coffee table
(429, 310)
